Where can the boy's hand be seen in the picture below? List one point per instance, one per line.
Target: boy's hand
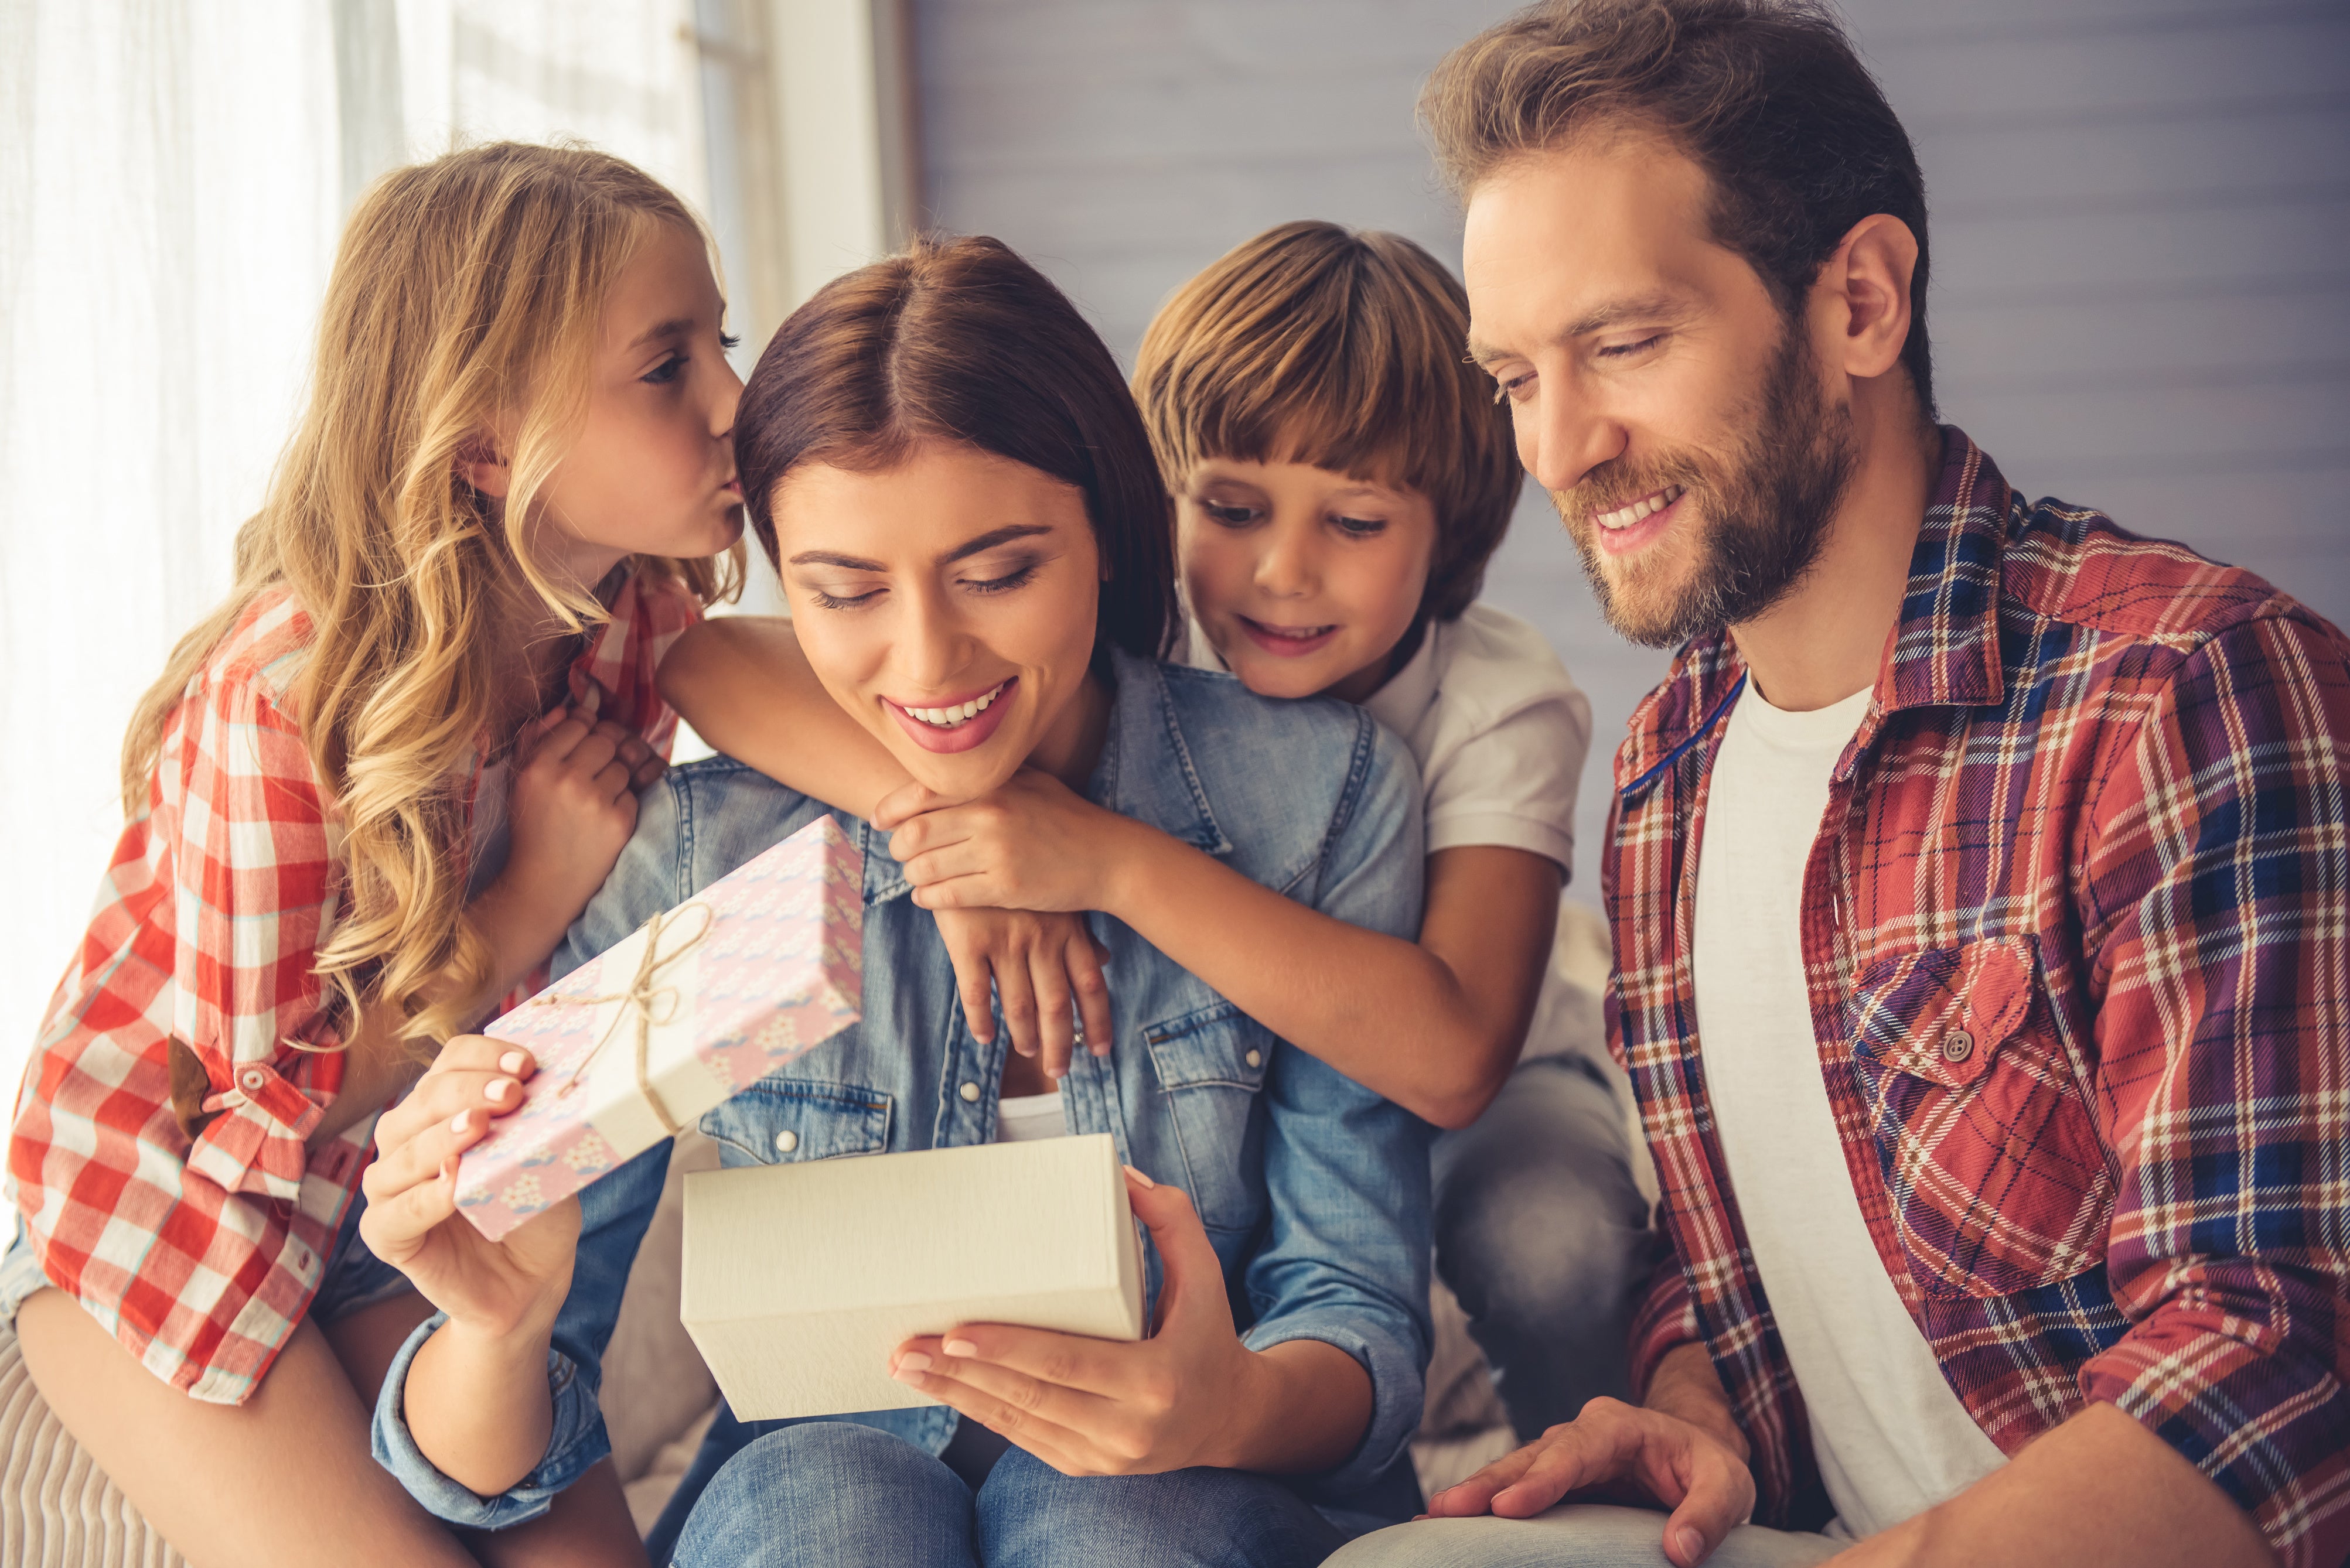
(1098, 1406)
(492, 1288)
(1047, 969)
(1032, 844)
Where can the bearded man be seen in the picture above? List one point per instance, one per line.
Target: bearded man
(1979, 877)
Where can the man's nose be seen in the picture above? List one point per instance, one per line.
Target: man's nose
(1565, 434)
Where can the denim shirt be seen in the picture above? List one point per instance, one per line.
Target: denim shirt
(1313, 1189)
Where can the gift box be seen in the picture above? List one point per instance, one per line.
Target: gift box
(801, 1279)
(700, 1004)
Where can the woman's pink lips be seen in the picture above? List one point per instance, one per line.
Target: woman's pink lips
(1283, 647)
(1621, 541)
(972, 731)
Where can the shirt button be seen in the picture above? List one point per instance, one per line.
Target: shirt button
(253, 1078)
(787, 1140)
(1254, 1058)
(1958, 1045)
(970, 1092)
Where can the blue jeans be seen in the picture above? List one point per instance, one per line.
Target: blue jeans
(1543, 1234)
(831, 1494)
(1573, 1535)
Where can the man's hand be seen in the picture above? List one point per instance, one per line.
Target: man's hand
(1614, 1452)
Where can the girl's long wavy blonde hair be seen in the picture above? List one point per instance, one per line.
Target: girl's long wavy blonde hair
(467, 298)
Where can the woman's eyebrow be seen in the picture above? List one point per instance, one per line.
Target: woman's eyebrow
(987, 541)
(991, 539)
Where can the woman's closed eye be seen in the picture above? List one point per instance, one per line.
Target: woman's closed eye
(845, 598)
(1019, 577)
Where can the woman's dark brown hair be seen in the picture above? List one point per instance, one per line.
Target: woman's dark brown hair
(961, 340)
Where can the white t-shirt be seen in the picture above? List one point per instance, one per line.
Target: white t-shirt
(1497, 726)
(1025, 1118)
(1892, 1438)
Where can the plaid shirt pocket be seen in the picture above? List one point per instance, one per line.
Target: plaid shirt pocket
(1998, 1178)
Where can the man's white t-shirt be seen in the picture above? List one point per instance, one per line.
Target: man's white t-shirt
(1892, 1438)
(1498, 727)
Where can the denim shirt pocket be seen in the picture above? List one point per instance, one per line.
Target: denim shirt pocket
(1210, 1062)
(1999, 1179)
(777, 1120)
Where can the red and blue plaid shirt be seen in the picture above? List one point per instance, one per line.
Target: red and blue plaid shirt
(2076, 933)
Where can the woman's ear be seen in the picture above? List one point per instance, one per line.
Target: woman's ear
(478, 465)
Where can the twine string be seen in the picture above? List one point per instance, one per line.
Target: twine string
(642, 1000)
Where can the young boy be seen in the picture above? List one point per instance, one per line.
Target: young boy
(1341, 477)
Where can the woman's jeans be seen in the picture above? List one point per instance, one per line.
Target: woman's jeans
(1541, 1233)
(831, 1494)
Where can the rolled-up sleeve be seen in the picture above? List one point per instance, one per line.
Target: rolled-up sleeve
(2218, 868)
(1345, 1261)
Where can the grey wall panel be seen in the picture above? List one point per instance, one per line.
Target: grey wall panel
(2140, 220)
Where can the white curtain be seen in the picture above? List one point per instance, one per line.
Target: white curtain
(173, 174)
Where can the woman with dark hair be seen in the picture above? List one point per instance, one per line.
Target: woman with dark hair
(965, 507)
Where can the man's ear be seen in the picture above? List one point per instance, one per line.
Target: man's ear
(478, 465)
(1868, 276)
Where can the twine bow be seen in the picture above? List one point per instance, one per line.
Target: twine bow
(647, 1003)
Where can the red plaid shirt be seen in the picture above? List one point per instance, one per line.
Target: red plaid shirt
(201, 1254)
(2077, 931)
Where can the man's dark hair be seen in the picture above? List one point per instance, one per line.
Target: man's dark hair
(1767, 97)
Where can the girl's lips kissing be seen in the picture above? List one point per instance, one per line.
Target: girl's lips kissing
(1288, 642)
(955, 726)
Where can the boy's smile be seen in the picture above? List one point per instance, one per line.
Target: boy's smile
(1303, 579)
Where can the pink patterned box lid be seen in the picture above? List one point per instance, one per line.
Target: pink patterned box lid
(758, 969)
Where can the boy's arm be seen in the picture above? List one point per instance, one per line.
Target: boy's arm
(1434, 1026)
(745, 687)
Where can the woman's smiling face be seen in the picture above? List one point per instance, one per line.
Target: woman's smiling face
(948, 603)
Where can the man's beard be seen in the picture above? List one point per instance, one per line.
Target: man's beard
(1762, 518)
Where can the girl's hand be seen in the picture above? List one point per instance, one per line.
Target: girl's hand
(1033, 844)
(1041, 965)
(573, 805)
(493, 1288)
(1098, 1406)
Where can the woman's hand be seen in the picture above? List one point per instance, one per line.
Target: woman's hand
(1047, 967)
(572, 807)
(1032, 844)
(494, 1289)
(1099, 1407)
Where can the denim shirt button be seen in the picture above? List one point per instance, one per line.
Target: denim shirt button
(970, 1092)
(787, 1140)
(1255, 1058)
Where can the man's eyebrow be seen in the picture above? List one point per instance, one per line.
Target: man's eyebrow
(1659, 307)
(675, 326)
(968, 548)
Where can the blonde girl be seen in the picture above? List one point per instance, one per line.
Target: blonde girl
(365, 799)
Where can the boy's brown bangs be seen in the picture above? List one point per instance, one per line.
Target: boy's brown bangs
(1312, 344)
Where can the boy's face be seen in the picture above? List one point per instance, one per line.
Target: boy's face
(1303, 579)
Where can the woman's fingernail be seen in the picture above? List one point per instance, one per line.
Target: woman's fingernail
(1139, 1176)
(457, 1123)
(913, 1361)
(497, 1089)
(909, 1377)
(513, 1062)
(957, 1347)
